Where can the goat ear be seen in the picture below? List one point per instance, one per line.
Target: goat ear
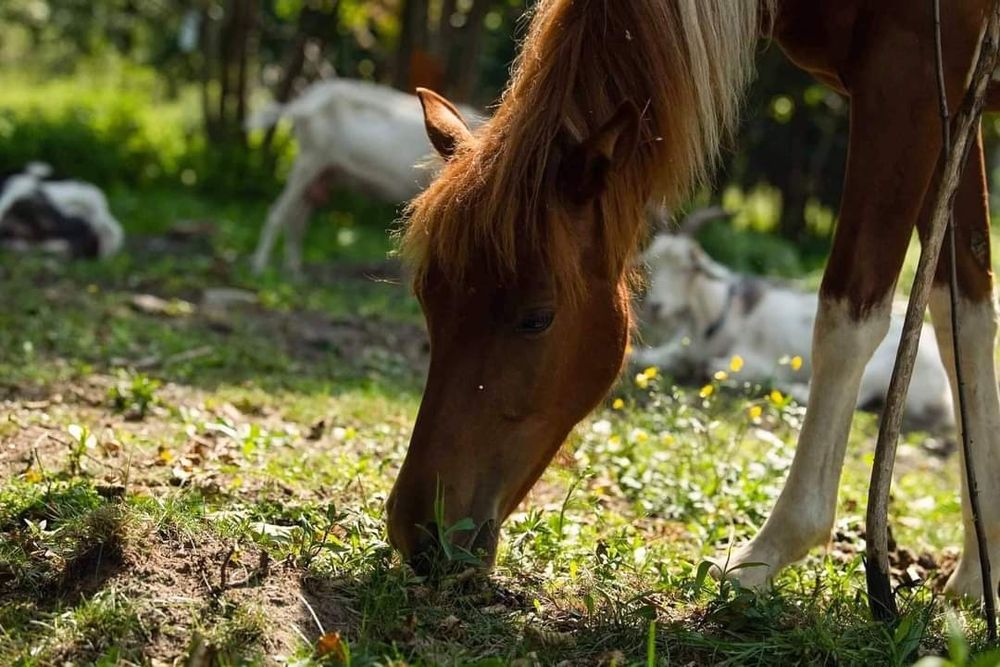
(697, 219)
(587, 165)
(446, 128)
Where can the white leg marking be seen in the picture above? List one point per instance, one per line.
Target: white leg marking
(804, 514)
(978, 329)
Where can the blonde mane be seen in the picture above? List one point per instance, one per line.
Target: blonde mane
(684, 63)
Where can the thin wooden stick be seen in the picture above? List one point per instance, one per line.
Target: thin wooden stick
(989, 595)
(880, 594)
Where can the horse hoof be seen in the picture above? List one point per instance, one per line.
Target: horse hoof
(745, 566)
(966, 582)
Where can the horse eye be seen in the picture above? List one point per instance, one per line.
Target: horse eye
(536, 321)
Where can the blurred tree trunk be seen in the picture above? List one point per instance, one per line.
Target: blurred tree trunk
(466, 48)
(315, 25)
(444, 56)
(228, 42)
(209, 40)
(445, 29)
(413, 39)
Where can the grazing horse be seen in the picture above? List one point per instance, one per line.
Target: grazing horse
(521, 248)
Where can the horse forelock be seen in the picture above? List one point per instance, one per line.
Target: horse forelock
(684, 63)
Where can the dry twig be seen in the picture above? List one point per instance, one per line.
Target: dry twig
(881, 598)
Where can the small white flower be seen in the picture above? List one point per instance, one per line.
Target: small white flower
(601, 427)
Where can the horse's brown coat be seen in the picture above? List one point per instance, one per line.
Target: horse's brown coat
(500, 238)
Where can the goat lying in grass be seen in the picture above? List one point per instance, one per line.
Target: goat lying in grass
(350, 133)
(705, 314)
(66, 217)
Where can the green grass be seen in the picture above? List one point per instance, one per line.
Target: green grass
(227, 508)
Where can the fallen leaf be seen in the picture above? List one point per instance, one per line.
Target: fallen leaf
(611, 659)
(316, 430)
(151, 304)
(549, 638)
(110, 490)
(330, 644)
(450, 625)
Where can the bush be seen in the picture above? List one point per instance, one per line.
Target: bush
(122, 131)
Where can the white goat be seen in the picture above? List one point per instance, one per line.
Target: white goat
(65, 216)
(363, 135)
(702, 314)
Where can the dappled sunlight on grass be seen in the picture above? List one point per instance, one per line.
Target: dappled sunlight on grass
(184, 480)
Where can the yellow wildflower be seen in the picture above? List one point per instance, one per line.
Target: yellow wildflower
(651, 372)
(618, 404)
(777, 397)
(707, 391)
(736, 364)
(641, 381)
(796, 363)
(721, 376)
(754, 412)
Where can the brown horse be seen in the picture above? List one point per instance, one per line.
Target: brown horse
(521, 249)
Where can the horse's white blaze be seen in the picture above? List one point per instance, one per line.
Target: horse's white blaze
(978, 329)
(806, 508)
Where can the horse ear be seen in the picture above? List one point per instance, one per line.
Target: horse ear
(588, 164)
(446, 128)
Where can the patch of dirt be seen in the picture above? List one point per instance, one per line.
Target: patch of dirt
(362, 341)
(305, 335)
(181, 588)
(907, 568)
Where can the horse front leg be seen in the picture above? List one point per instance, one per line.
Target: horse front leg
(846, 334)
(977, 338)
(890, 165)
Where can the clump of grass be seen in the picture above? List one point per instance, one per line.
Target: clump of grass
(233, 636)
(59, 538)
(82, 441)
(133, 395)
(104, 630)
